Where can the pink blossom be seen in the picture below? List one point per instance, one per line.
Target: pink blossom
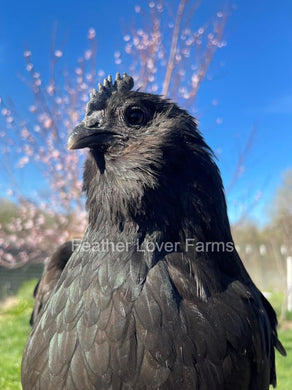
(55, 153)
(25, 133)
(28, 150)
(84, 86)
(58, 53)
(91, 33)
(29, 67)
(195, 79)
(150, 64)
(136, 41)
(159, 7)
(5, 112)
(59, 100)
(88, 54)
(40, 220)
(13, 238)
(9, 258)
(27, 53)
(28, 224)
(22, 162)
(23, 256)
(187, 31)
(128, 48)
(47, 123)
(62, 219)
(50, 89)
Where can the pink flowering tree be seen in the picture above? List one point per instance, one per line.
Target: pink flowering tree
(167, 56)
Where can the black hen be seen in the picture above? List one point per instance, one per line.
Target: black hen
(51, 274)
(156, 296)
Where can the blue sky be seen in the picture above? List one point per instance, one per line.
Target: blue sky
(252, 78)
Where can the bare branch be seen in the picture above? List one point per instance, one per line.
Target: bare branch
(173, 49)
(242, 157)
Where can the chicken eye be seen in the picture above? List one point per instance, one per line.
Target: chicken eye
(135, 116)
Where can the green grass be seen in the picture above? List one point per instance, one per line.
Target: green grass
(14, 330)
(284, 364)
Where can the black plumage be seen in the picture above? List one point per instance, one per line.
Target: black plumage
(51, 274)
(156, 296)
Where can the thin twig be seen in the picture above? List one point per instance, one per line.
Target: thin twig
(241, 159)
(173, 49)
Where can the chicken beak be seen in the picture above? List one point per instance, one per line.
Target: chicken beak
(84, 137)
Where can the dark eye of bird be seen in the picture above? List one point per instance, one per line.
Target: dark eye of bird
(135, 116)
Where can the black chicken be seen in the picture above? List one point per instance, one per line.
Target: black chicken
(156, 296)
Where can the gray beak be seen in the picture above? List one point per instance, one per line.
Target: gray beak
(84, 137)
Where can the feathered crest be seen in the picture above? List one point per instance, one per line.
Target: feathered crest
(98, 99)
(124, 83)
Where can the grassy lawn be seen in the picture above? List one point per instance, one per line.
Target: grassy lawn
(284, 364)
(14, 329)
